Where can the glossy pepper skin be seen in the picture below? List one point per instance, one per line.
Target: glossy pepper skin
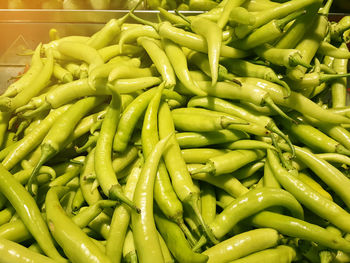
(11, 252)
(253, 201)
(242, 244)
(28, 211)
(314, 201)
(77, 246)
(294, 227)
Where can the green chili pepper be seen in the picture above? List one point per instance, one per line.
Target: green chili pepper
(251, 93)
(339, 87)
(208, 202)
(11, 252)
(328, 49)
(228, 7)
(242, 245)
(279, 11)
(196, 42)
(121, 217)
(61, 73)
(29, 212)
(229, 162)
(266, 33)
(90, 195)
(36, 66)
(202, 5)
(6, 214)
(313, 138)
(129, 251)
(131, 35)
(223, 199)
(201, 139)
(305, 177)
(82, 52)
(226, 182)
(309, 45)
(297, 30)
(213, 36)
(76, 245)
(144, 230)
(294, 227)
(306, 195)
(111, 51)
(163, 191)
(327, 172)
(176, 240)
(246, 69)
(178, 61)
(257, 5)
(110, 30)
(103, 153)
(280, 254)
(15, 231)
(160, 59)
(203, 120)
(296, 101)
(15, 152)
(57, 136)
(249, 170)
(250, 203)
(181, 179)
(200, 155)
(124, 72)
(4, 118)
(235, 109)
(124, 159)
(339, 28)
(172, 18)
(36, 85)
(288, 58)
(131, 115)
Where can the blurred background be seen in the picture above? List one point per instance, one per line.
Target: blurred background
(339, 6)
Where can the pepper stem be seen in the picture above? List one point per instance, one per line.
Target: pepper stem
(186, 231)
(21, 127)
(143, 21)
(116, 193)
(269, 102)
(90, 143)
(342, 150)
(327, 77)
(206, 168)
(47, 151)
(28, 106)
(33, 113)
(285, 163)
(183, 17)
(284, 85)
(296, 59)
(193, 202)
(225, 75)
(123, 18)
(201, 242)
(96, 126)
(281, 23)
(271, 126)
(174, 19)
